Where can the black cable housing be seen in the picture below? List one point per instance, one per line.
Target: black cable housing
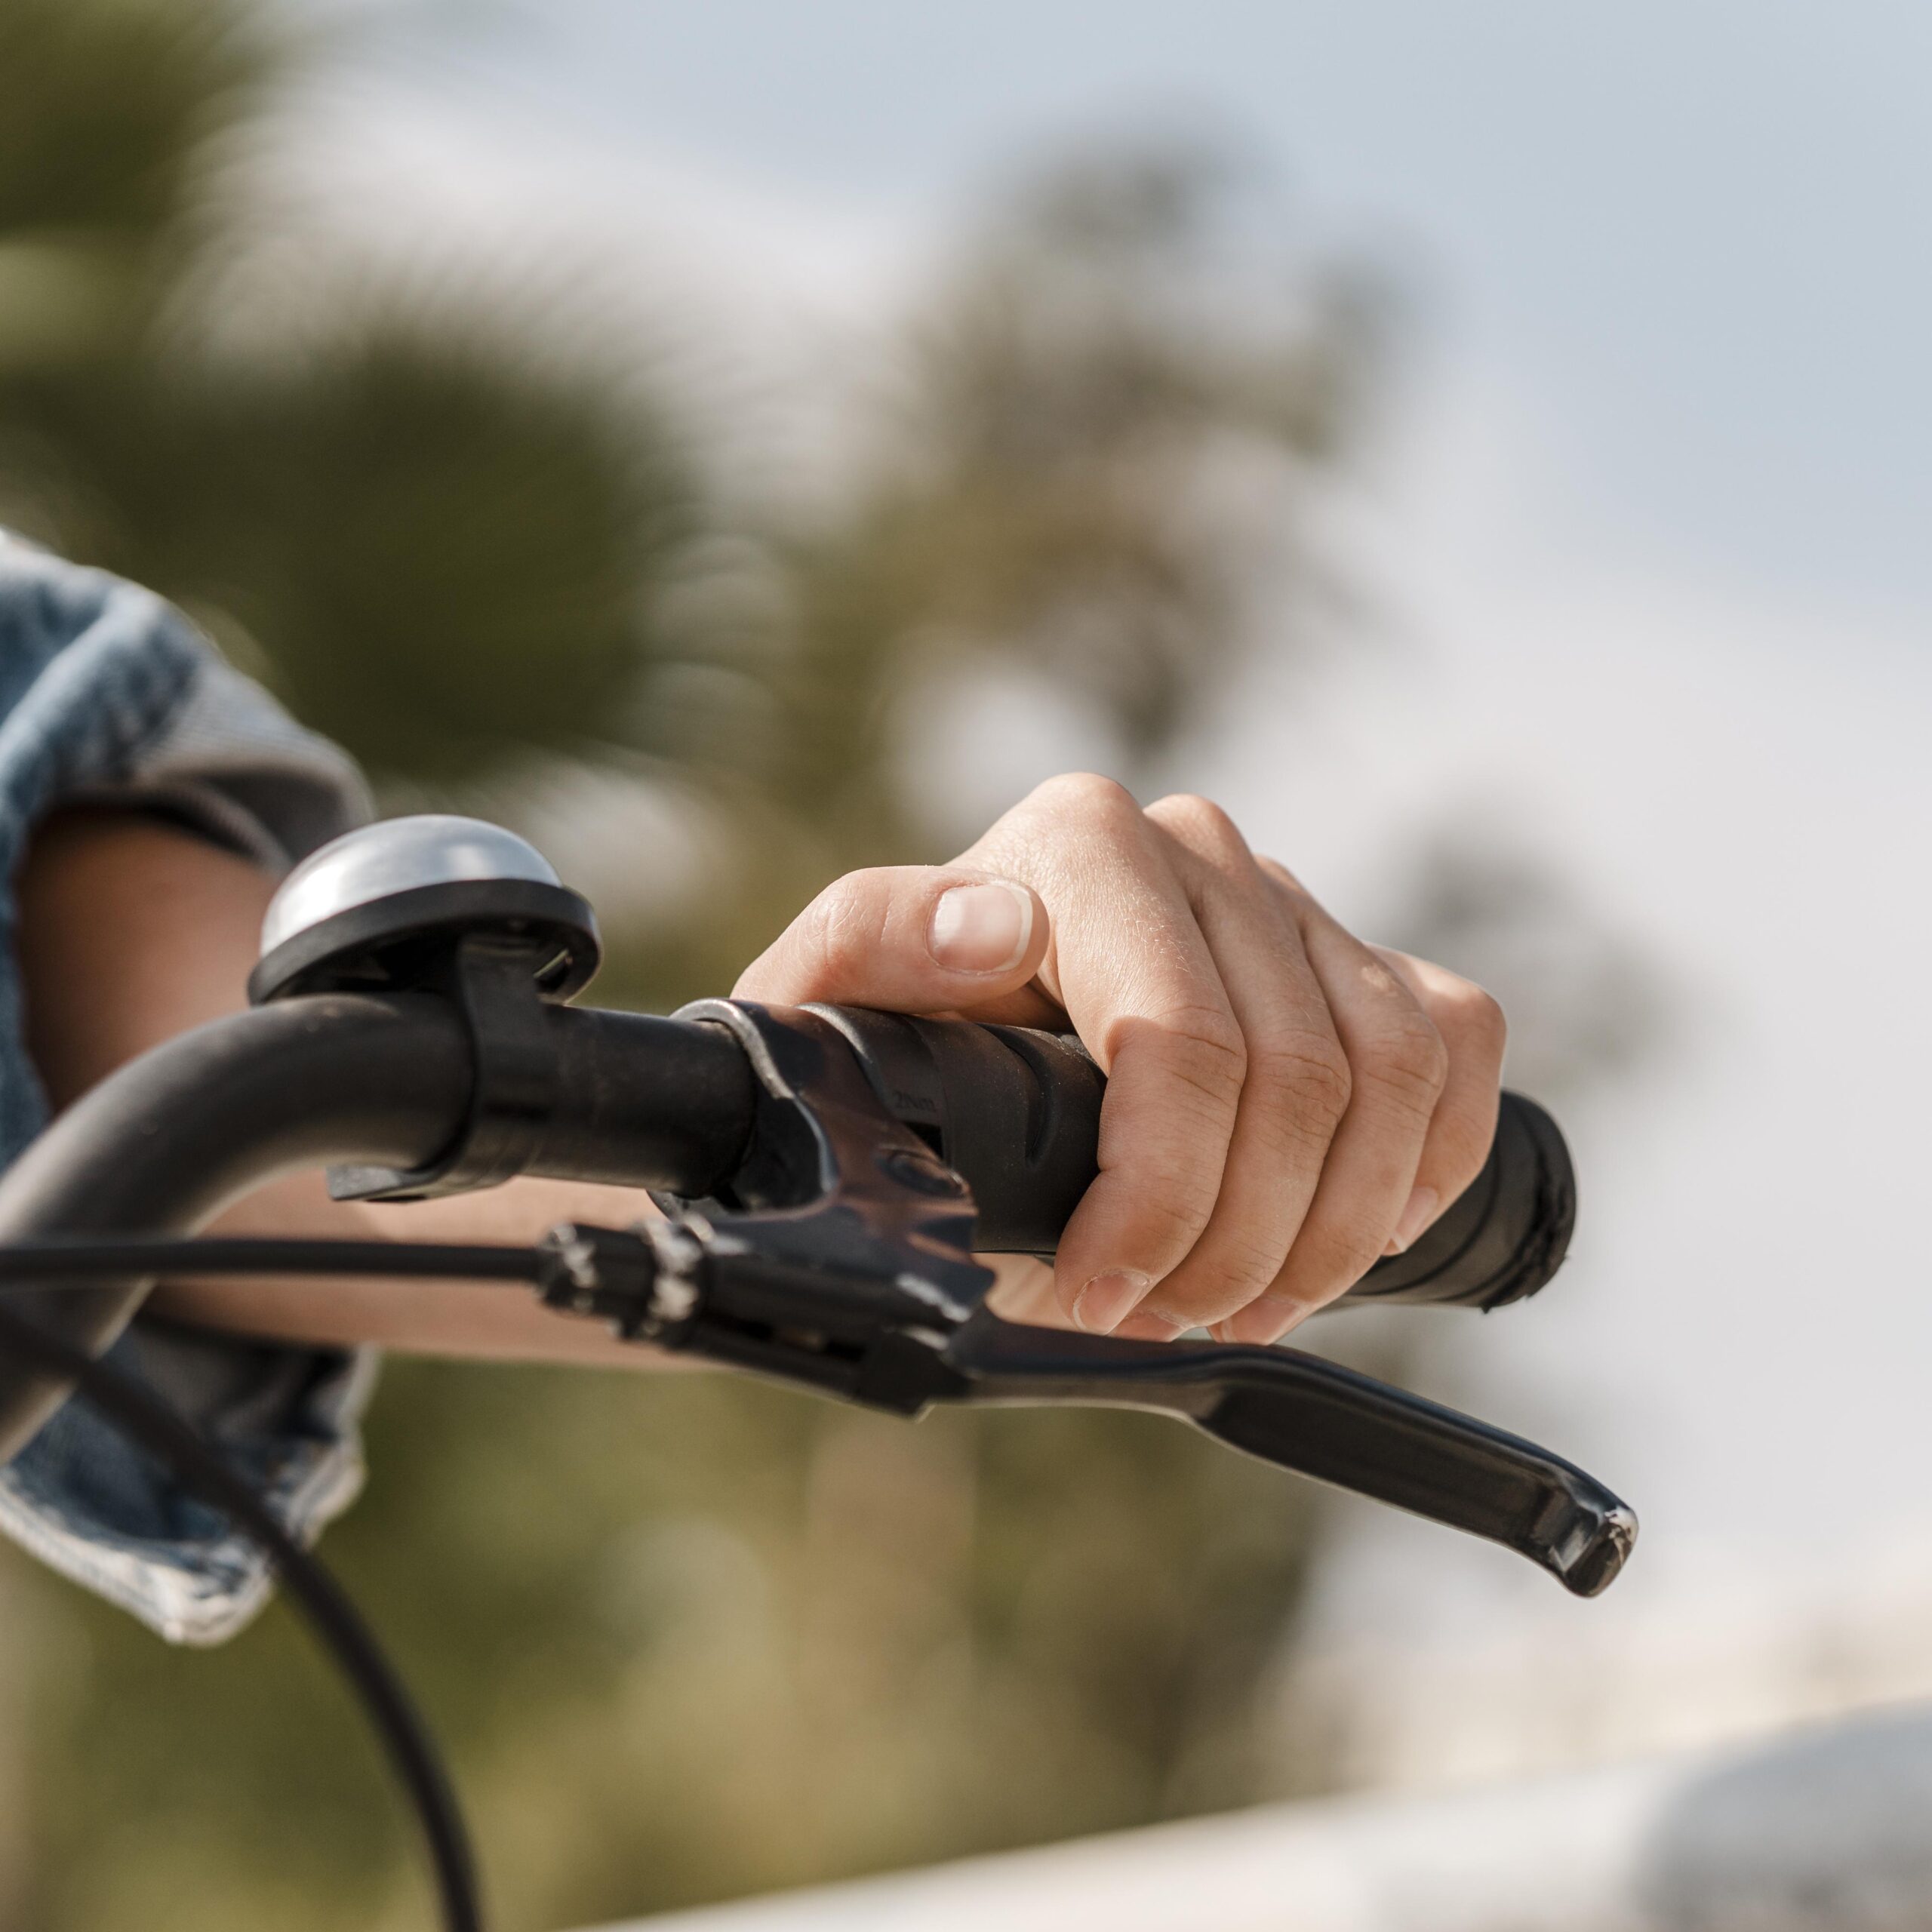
(55, 1263)
(337, 1625)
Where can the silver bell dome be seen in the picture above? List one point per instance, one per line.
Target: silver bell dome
(398, 855)
(406, 880)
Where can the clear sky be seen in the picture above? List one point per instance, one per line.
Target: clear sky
(1695, 232)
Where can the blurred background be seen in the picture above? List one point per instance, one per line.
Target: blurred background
(1488, 448)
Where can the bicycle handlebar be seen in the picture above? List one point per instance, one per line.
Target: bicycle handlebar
(662, 1104)
(165, 1144)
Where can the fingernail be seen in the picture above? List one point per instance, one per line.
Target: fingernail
(1105, 1299)
(1416, 1215)
(981, 928)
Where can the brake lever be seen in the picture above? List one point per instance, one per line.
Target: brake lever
(839, 1257)
(1315, 1416)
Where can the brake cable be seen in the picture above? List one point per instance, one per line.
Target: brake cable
(50, 1263)
(337, 1625)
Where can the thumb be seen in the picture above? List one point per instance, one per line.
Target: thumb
(911, 939)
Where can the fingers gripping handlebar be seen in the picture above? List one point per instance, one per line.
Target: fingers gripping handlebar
(828, 1174)
(1017, 1113)
(833, 1242)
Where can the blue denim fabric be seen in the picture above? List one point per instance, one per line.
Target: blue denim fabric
(107, 694)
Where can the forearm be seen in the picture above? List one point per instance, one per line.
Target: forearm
(498, 1321)
(131, 932)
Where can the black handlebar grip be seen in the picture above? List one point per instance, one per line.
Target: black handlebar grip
(1018, 1112)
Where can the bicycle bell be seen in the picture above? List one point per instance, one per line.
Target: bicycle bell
(367, 910)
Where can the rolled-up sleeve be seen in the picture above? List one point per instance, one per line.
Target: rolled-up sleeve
(109, 695)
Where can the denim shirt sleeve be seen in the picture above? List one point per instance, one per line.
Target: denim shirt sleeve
(107, 694)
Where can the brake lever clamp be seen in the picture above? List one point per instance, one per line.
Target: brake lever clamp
(840, 1258)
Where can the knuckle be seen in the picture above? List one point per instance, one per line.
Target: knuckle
(1469, 1016)
(1085, 794)
(1462, 1144)
(1479, 1019)
(1203, 1046)
(1352, 1255)
(844, 925)
(1331, 1256)
(1200, 823)
(1245, 1270)
(1312, 1074)
(1176, 1214)
(1212, 1286)
(1408, 1057)
(1160, 1198)
(1285, 882)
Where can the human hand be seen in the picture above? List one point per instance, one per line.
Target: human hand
(1284, 1104)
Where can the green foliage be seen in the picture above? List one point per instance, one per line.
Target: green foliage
(491, 530)
(106, 101)
(438, 547)
(434, 552)
(106, 106)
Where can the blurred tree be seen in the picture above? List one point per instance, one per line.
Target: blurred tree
(689, 1636)
(1041, 493)
(438, 548)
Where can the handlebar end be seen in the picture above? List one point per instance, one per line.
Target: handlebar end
(1588, 1562)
